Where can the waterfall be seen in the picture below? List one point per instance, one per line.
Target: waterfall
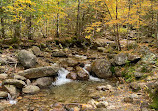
(90, 76)
(61, 79)
(11, 100)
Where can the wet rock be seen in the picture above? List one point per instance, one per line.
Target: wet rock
(3, 94)
(102, 104)
(101, 68)
(40, 72)
(71, 62)
(43, 82)
(59, 54)
(128, 99)
(27, 59)
(3, 76)
(12, 90)
(31, 89)
(15, 82)
(36, 50)
(121, 59)
(81, 74)
(18, 77)
(72, 76)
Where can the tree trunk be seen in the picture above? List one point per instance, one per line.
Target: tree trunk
(78, 23)
(57, 30)
(117, 29)
(157, 28)
(2, 21)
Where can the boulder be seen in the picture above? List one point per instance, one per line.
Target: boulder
(72, 76)
(133, 58)
(12, 90)
(43, 82)
(3, 76)
(31, 89)
(15, 82)
(36, 50)
(121, 59)
(27, 59)
(72, 62)
(3, 94)
(101, 68)
(40, 72)
(102, 42)
(59, 54)
(81, 74)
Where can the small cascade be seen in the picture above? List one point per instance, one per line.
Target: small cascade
(11, 100)
(81, 57)
(61, 79)
(90, 76)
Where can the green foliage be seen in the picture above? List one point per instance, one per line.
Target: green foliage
(154, 96)
(129, 74)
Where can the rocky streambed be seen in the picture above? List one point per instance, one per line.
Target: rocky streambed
(73, 80)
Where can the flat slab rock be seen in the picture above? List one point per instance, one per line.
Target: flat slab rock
(40, 72)
(15, 82)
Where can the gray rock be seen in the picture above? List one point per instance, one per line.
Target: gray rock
(128, 99)
(81, 74)
(121, 59)
(36, 50)
(43, 82)
(40, 72)
(15, 82)
(72, 62)
(101, 68)
(104, 88)
(102, 104)
(138, 74)
(31, 89)
(3, 76)
(12, 90)
(27, 59)
(2, 61)
(3, 94)
(59, 54)
(134, 86)
(133, 58)
(18, 77)
(101, 49)
(2, 69)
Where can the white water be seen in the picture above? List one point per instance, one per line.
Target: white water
(81, 56)
(61, 79)
(90, 76)
(11, 101)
